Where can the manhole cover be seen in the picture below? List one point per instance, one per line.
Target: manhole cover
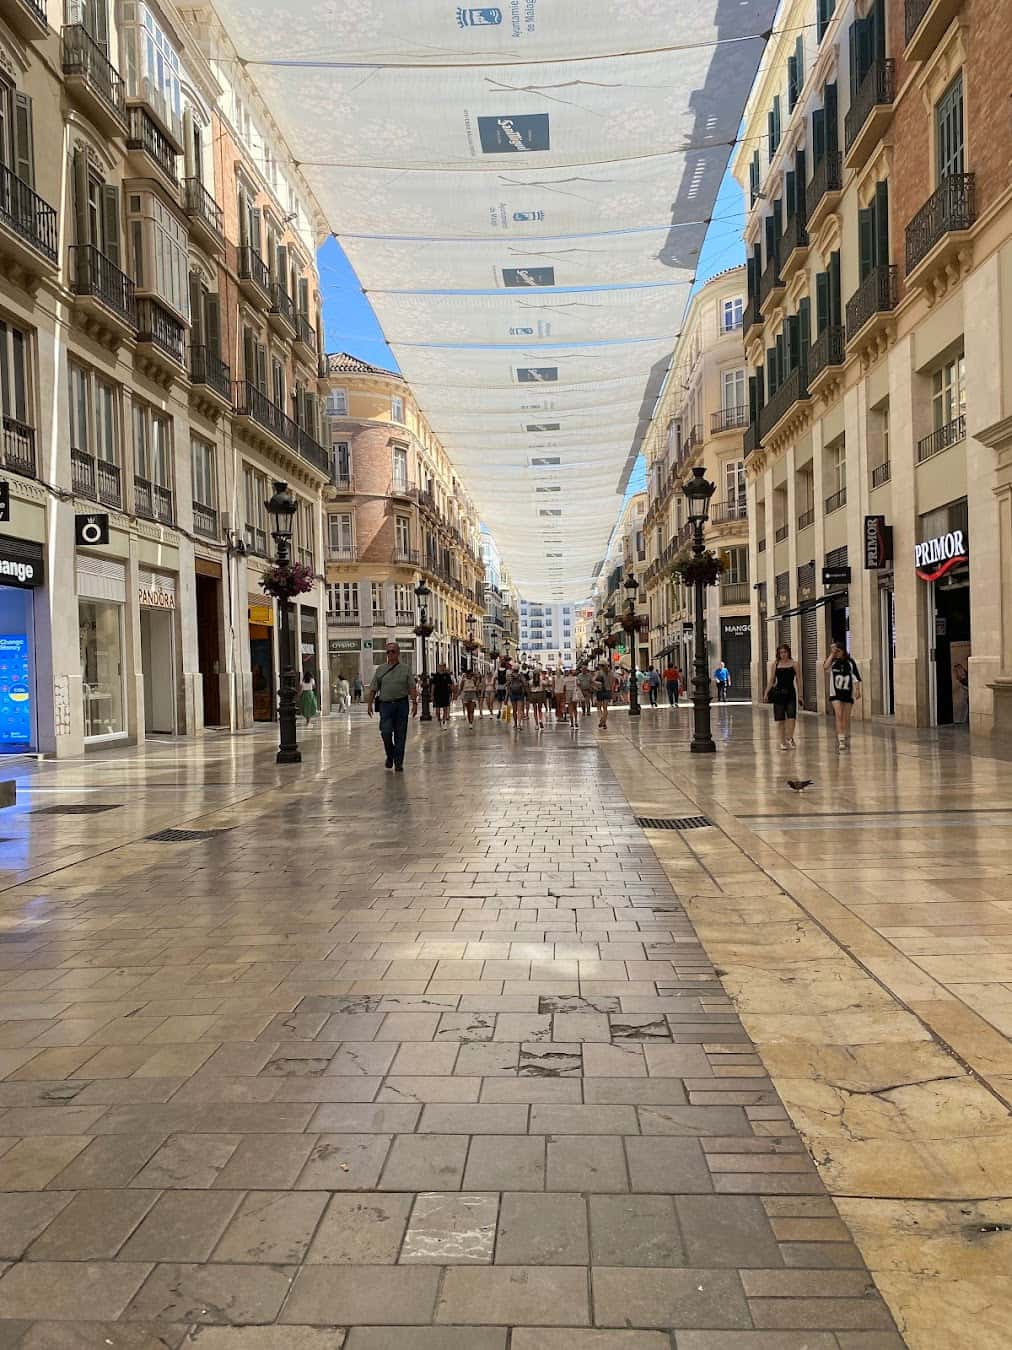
(672, 822)
(76, 809)
(183, 836)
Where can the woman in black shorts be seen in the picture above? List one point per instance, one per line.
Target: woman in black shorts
(782, 692)
(844, 689)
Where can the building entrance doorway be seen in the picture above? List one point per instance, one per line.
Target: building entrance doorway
(209, 646)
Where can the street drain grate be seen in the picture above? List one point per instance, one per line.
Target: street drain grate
(672, 822)
(76, 809)
(184, 836)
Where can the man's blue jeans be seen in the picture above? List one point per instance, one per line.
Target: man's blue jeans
(394, 728)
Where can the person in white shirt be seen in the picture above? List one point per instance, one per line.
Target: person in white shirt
(343, 695)
(469, 692)
(571, 695)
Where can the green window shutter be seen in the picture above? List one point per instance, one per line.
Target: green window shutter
(800, 172)
(196, 311)
(81, 228)
(799, 62)
(821, 301)
(865, 242)
(212, 324)
(792, 82)
(304, 296)
(110, 223)
(792, 344)
(771, 367)
(881, 213)
(753, 398)
(804, 330)
(818, 136)
(770, 135)
(781, 358)
(249, 357)
(852, 52)
(835, 301)
(831, 103)
(24, 147)
(760, 386)
(771, 237)
(790, 194)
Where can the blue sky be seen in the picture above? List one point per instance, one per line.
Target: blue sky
(351, 325)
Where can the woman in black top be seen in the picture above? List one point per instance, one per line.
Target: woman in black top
(844, 689)
(782, 692)
(442, 693)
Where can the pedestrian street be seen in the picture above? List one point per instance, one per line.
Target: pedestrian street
(324, 1056)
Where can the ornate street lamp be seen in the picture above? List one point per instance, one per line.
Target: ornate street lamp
(630, 626)
(282, 508)
(423, 630)
(698, 492)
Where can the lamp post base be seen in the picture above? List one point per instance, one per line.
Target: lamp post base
(288, 757)
(703, 748)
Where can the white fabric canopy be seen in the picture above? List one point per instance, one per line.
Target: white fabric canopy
(523, 190)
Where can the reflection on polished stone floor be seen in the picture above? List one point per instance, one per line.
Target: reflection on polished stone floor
(437, 1062)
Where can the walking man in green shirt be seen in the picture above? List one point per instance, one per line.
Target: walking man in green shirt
(392, 686)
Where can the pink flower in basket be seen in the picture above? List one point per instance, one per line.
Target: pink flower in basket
(284, 583)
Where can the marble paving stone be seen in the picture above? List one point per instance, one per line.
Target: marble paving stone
(476, 1058)
(450, 1229)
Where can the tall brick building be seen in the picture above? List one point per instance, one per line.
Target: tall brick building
(875, 156)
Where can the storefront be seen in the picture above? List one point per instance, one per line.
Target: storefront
(208, 581)
(22, 572)
(345, 661)
(942, 562)
(156, 597)
(309, 649)
(736, 653)
(101, 602)
(261, 660)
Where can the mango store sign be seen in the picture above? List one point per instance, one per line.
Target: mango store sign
(934, 557)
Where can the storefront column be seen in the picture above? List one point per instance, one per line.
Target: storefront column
(982, 341)
(999, 438)
(191, 692)
(863, 646)
(912, 640)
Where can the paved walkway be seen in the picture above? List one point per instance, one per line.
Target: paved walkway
(420, 1062)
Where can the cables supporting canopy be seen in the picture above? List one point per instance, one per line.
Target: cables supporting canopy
(523, 191)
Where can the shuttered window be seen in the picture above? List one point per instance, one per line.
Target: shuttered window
(949, 130)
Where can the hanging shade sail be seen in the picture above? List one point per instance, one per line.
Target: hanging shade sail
(523, 190)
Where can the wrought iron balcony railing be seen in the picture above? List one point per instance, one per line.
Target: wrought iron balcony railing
(205, 520)
(941, 439)
(877, 87)
(794, 387)
(157, 326)
(836, 500)
(881, 474)
(200, 205)
(96, 478)
(728, 419)
(95, 275)
(84, 58)
(827, 176)
(875, 295)
(145, 134)
(17, 447)
(952, 206)
(253, 268)
(207, 368)
(152, 500)
(24, 213)
(827, 350)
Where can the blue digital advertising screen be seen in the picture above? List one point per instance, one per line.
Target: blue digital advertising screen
(15, 691)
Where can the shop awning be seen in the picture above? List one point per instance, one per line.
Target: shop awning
(523, 191)
(800, 609)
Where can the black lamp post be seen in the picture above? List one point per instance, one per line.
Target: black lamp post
(698, 492)
(423, 631)
(631, 626)
(282, 508)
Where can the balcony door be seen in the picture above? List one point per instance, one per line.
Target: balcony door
(949, 131)
(93, 17)
(732, 390)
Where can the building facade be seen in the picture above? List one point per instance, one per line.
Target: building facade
(396, 515)
(548, 633)
(627, 556)
(875, 156)
(698, 421)
(122, 431)
(501, 620)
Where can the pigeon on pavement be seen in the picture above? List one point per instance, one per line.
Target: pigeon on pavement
(799, 784)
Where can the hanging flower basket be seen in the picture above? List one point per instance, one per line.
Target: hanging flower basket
(284, 583)
(423, 630)
(612, 641)
(472, 645)
(690, 568)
